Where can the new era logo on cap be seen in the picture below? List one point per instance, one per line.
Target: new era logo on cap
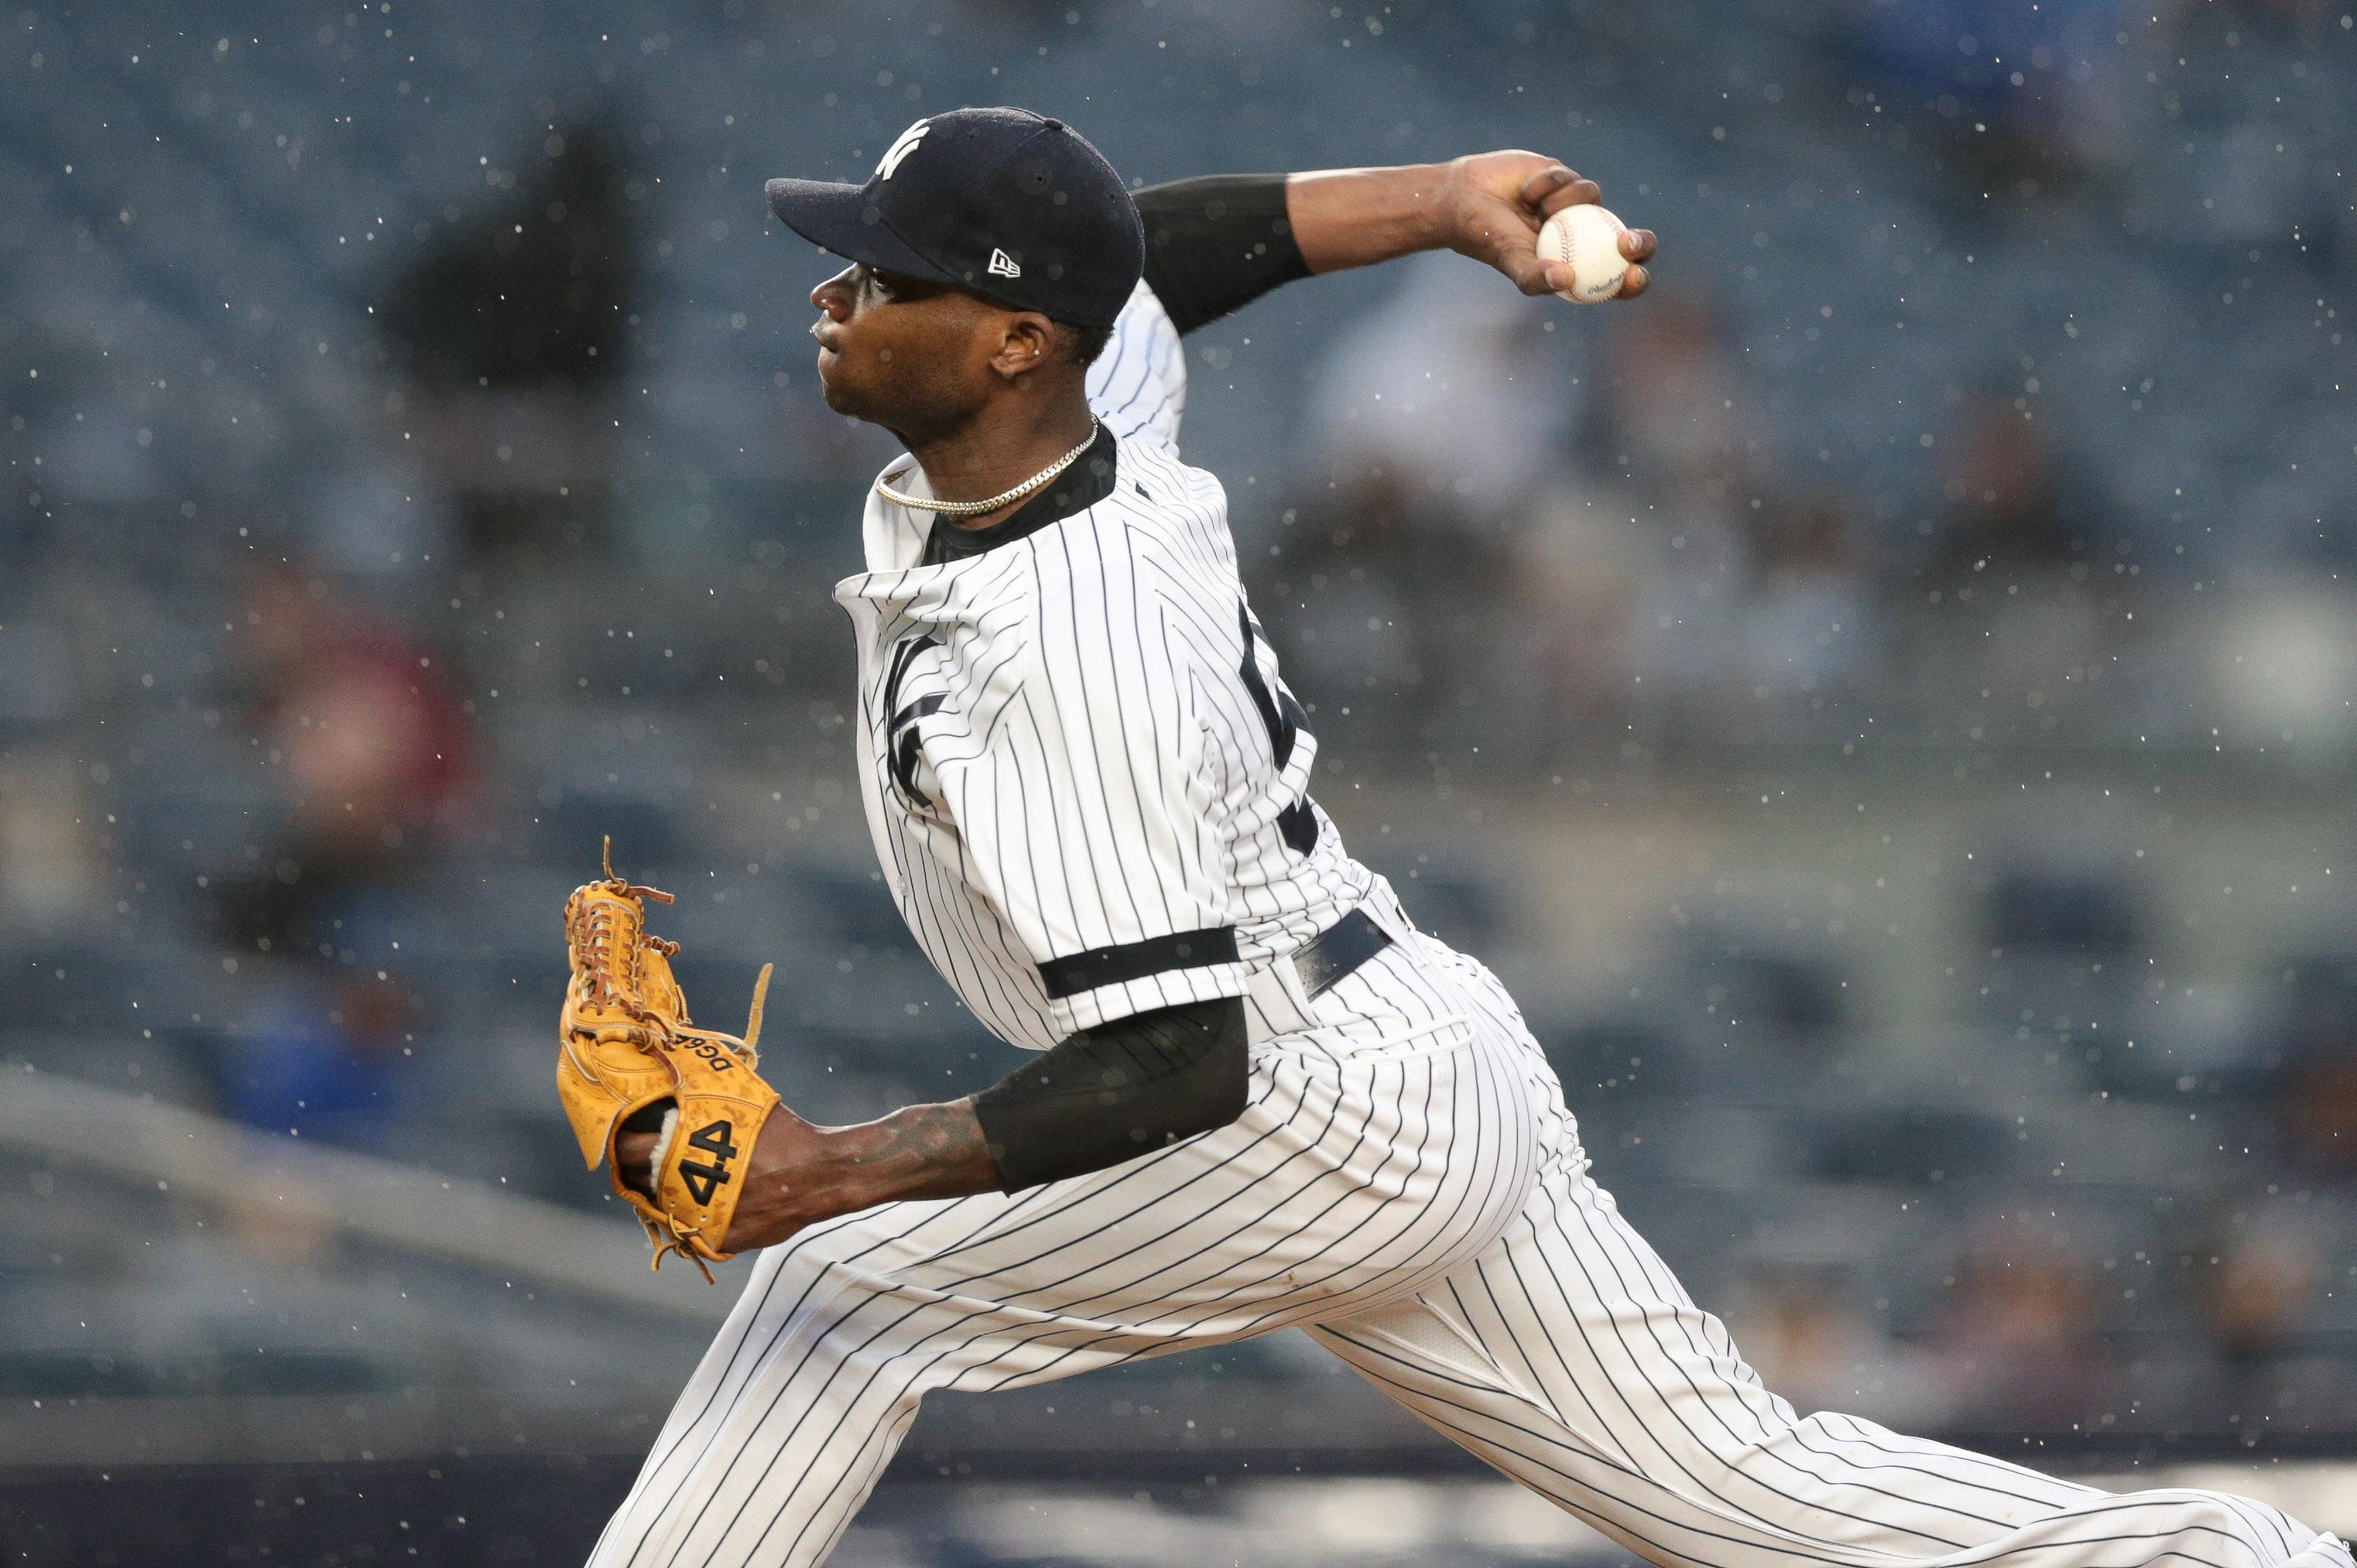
(1003, 266)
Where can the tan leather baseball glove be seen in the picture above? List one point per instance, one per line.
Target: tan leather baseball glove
(628, 1057)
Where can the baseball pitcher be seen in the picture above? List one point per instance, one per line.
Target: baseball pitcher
(1261, 1099)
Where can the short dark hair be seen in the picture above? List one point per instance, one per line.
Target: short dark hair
(1085, 343)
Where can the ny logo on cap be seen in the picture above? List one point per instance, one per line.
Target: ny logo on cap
(1003, 266)
(902, 146)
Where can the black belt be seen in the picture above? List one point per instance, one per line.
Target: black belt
(1338, 950)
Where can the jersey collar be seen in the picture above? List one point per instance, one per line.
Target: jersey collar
(1088, 481)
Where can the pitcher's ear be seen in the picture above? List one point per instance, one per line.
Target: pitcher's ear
(1029, 346)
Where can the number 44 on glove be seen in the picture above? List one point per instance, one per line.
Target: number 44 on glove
(630, 1061)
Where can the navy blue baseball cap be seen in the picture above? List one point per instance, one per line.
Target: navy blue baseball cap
(1011, 205)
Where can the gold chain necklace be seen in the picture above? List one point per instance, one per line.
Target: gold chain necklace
(975, 508)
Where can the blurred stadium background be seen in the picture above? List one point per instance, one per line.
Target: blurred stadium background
(1883, 703)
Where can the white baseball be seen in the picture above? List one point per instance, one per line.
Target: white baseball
(1587, 238)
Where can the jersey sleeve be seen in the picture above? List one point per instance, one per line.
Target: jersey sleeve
(1138, 385)
(1086, 809)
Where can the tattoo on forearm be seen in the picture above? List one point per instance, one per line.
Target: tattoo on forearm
(927, 1151)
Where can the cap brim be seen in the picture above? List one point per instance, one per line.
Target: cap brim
(839, 219)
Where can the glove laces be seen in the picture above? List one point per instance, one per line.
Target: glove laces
(612, 934)
(608, 932)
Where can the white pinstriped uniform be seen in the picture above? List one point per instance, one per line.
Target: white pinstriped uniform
(1138, 385)
(1406, 1183)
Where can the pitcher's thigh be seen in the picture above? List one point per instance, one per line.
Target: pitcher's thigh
(1342, 1181)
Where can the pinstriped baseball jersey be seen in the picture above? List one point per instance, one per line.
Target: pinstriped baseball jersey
(1088, 786)
(1138, 385)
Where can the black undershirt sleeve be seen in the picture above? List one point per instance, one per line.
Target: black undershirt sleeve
(1217, 243)
(1116, 1091)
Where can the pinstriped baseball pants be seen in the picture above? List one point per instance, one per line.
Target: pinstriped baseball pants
(1407, 1185)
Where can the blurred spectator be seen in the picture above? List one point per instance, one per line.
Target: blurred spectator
(1671, 410)
(2315, 1105)
(510, 330)
(1450, 391)
(46, 876)
(1749, 595)
(2005, 81)
(1432, 420)
(319, 1057)
(2254, 1287)
(365, 737)
(1804, 1329)
(1806, 615)
(2010, 611)
(2013, 505)
(532, 291)
(2254, 1295)
(1746, 614)
(2018, 1347)
(1575, 599)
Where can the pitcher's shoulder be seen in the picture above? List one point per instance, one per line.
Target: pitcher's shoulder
(1161, 537)
(1152, 481)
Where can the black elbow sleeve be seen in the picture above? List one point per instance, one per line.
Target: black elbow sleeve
(1117, 1092)
(1215, 244)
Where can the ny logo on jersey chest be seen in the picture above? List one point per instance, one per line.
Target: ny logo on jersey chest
(902, 743)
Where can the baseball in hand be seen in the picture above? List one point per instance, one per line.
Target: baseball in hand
(1587, 238)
